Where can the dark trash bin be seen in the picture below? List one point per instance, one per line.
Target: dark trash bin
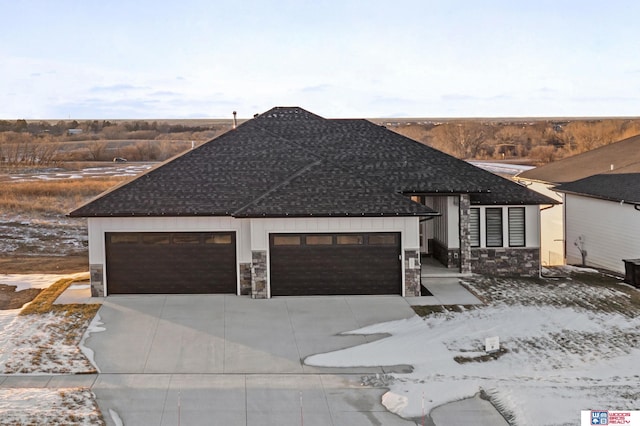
(632, 272)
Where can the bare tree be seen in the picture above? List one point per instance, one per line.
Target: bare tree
(97, 149)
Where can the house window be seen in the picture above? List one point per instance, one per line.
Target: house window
(286, 240)
(474, 227)
(516, 227)
(350, 239)
(494, 227)
(156, 239)
(186, 239)
(382, 240)
(319, 240)
(218, 239)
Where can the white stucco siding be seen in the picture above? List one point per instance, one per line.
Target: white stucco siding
(97, 227)
(610, 231)
(407, 226)
(453, 222)
(551, 225)
(445, 227)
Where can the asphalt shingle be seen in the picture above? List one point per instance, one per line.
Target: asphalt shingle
(290, 162)
(614, 187)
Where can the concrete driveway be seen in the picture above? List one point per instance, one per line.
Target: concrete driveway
(229, 360)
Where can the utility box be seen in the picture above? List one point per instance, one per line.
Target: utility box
(632, 272)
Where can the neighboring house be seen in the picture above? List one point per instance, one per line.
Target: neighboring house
(612, 157)
(603, 219)
(290, 203)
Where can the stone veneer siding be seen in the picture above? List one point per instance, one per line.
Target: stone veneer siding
(96, 274)
(506, 261)
(448, 257)
(465, 234)
(411, 275)
(245, 279)
(259, 274)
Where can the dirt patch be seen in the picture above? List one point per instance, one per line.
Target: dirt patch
(12, 299)
(491, 356)
(44, 264)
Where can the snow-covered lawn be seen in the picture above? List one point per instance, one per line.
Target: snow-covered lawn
(48, 343)
(75, 406)
(569, 344)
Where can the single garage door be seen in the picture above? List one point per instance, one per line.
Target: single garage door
(171, 262)
(327, 264)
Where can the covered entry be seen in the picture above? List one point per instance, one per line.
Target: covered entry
(171, 262)
(335, 264)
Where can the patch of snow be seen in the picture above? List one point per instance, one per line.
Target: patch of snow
(115, 417)
(394, 403)
(559, 360)
(31, 406)
(25, 281)
(30, 344)
(94, 327)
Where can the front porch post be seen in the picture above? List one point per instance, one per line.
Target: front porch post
(465, 236)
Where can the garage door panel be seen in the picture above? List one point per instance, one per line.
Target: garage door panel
(351, 264)
(171, 263)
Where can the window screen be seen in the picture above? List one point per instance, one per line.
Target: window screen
(494, 227)
(474, 227)
(516, 227)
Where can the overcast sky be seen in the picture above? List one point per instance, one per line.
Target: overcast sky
(398, 58)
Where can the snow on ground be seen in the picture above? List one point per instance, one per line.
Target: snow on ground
(38, 344)
(30, 345)
(108, 170)
(29, 406)
(570, 346)
(25, 281)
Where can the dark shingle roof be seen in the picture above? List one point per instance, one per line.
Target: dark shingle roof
(290, 162)
(623, 154)
(614, 187)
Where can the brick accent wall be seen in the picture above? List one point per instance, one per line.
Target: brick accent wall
(411, 274)
(465, 235)
(259, 274)
(506, 261)
(245, 279)
(96, 273)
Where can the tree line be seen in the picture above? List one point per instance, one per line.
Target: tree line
(43, 142)
(538, 141)
(61, 127)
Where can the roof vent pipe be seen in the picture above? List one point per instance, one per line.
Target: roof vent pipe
(235, 122)
(612, 167)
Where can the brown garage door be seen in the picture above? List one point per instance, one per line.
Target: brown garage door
(171, 262)
(326, 264)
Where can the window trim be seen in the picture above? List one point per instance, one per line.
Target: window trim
(478, 242)
(501, 227)
(524, 226)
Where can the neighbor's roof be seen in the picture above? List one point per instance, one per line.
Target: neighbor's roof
(290, 162)
(624, 155)
(611, 186)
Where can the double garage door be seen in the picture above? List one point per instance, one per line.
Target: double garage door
(171, 262)
(300, 264)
